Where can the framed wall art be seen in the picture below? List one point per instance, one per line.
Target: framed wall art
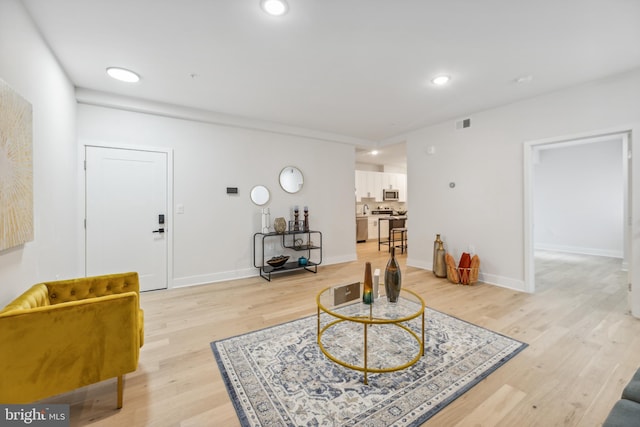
(16, 168)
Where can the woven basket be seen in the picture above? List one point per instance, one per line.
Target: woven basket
(463, 276)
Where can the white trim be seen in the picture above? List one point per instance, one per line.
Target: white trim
(632, 253)
(580, 250)
(204, 279)
(103, 99)
(501, 281)
(490, 279)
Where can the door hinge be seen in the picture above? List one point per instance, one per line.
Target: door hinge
(85, 223)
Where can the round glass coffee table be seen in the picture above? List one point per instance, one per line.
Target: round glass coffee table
(370, 338)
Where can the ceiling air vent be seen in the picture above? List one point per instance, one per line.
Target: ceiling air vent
(463, 124)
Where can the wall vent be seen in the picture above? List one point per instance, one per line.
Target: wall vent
(463, 124)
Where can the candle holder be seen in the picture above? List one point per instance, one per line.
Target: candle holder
(296, 225)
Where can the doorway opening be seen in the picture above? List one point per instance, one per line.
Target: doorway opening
(577, 200)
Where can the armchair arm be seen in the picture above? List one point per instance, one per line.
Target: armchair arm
(54, 349)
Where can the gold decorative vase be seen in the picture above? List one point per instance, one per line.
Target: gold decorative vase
(280, 225)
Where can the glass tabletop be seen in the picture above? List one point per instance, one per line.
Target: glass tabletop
(345, 302)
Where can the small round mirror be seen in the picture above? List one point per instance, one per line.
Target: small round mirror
(259, 195)
(291, 179)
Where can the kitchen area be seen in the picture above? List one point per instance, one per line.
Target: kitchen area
(381, 203)
(381, 195)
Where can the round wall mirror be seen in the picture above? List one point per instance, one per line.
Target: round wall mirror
(291, 179)
(259, 195)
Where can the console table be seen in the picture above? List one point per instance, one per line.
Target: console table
(311, 248)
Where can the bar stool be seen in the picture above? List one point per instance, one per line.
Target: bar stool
(402, 231)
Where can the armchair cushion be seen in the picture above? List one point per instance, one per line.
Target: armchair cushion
(62, 335)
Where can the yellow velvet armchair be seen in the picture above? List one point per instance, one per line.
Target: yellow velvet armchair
(62, 335)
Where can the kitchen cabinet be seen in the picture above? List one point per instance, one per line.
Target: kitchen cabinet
(401, 184)
(389, 181)
(373, 227)
(369, 184)
(383, 226)
(362, 185)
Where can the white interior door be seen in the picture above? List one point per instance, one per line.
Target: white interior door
(126, 221)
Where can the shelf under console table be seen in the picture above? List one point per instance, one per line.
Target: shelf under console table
(312, 250)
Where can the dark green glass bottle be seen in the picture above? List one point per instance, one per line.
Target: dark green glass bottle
(392, 278)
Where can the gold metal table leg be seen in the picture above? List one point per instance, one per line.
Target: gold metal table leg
(423, 343)
(366, 382)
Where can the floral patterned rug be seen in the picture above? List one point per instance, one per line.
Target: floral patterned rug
(279, 377)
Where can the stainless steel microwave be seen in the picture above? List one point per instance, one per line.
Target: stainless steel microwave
(390, 195)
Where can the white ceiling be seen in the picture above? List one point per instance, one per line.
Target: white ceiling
(357, 69)
(386, 155)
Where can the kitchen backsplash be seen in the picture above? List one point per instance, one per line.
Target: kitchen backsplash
(373, 205)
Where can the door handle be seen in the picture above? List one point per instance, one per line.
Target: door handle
(159, 230)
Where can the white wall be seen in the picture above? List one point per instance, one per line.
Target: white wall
(579, 199)
(485, 209)
(28, 66)
(213, 238)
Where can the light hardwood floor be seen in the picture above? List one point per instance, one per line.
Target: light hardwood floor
(583, 344)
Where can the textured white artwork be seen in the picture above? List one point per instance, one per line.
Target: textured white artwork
(16, 169)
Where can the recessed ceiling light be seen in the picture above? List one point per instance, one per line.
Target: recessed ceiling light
(374, 152)
(123, 75)
(274, 7)
(440, 80)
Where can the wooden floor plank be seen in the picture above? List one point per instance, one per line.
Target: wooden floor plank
(583, 344)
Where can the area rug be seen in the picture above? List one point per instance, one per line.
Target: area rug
(279, 377)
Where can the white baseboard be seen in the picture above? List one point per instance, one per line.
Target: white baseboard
(501, 281)
(204, 279)
(491, 279)
(418, 263)
(610, 253)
